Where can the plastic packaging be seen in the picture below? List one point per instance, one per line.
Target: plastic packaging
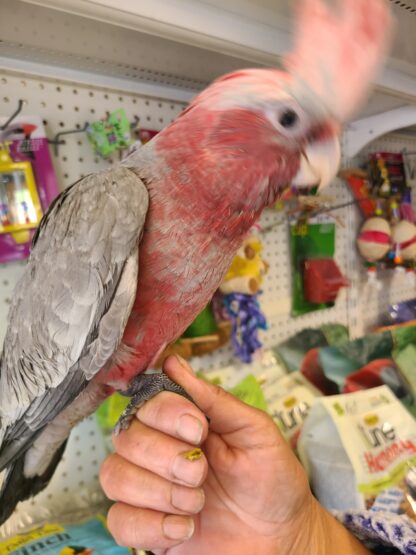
(88, 538)
(360, 452)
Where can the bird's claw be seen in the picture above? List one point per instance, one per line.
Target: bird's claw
(141, 389)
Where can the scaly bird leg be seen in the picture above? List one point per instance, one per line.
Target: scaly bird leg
(141, 389)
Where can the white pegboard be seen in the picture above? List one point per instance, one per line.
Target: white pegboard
(64, 105)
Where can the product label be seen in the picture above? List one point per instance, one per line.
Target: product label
(289, 403)
(379, 436)
(87, 538)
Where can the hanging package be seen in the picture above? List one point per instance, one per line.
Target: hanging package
(360, 452)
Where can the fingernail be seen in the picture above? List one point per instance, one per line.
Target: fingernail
(178, 527)
(189, 428)
(188, 471)
(190, 500)
(184, 364)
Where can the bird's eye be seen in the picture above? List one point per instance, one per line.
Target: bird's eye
(288, 119)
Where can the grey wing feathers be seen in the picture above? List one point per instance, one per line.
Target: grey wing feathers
(61, 326)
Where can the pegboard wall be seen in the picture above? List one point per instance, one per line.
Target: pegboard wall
(368, 303)
(65, 105)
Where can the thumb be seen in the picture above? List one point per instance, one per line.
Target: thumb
(227, 414)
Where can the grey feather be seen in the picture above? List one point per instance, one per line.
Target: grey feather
(72, 303)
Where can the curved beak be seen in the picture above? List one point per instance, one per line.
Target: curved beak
(319, 163)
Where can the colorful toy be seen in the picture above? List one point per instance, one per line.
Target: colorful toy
(247, 318)
(316, 279)
(111, 134)
(359, 185)
(247, 269)
(27, 184)
(404, 241)
(240, 287)
(374, 239)
(322, 280)
(20, 208)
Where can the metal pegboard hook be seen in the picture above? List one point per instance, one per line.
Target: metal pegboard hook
(13, 116)
(56, 141)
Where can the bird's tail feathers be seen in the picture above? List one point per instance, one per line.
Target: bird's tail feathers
(15, 486)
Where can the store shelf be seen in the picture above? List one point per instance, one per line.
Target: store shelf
(167, 48)
(256, 31)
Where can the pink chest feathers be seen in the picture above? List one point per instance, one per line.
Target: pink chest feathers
(180, 267)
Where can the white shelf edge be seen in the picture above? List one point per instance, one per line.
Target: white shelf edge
(97, 79)
(217, 29)
(361, 132)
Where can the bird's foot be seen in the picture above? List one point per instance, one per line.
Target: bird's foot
(141, 389)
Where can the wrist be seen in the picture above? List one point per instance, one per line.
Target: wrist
(317, 532)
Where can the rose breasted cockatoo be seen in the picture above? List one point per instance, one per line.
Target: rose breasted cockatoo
(126, 258)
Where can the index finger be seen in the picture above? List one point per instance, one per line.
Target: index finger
(175, 416)
(227, 414)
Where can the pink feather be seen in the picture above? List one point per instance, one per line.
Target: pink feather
(339, 47)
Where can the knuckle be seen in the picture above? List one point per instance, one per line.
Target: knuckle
(218, 395)
(106, 470)
(116, 525)
(111, 474)
(150, 412)
(124, 525)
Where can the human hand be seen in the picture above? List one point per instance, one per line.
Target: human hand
(247, 493)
